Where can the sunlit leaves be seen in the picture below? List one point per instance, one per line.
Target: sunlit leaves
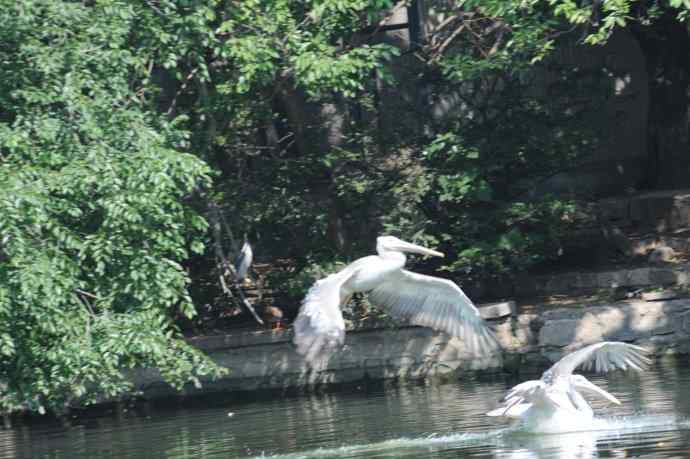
(603, 18)
(94, 208)
(345, 72)
(270, 42)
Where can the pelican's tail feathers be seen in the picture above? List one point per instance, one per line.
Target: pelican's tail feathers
(314, 341)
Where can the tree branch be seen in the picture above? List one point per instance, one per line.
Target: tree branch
(225, 268)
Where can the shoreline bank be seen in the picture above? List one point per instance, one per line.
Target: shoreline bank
(530, 335)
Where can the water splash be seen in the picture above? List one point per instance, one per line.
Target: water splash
(598, 424)
(643, 422)
(397, 444)
(615, 431)
(508, 441)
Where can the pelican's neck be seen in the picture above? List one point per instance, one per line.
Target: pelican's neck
(393, 255)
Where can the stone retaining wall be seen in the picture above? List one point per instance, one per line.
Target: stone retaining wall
(267, 360)
(589, 281)
(662, 211)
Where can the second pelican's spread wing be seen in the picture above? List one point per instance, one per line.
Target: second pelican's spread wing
(436, 303)
(513, 411)
(537, 392)
(524, 389)
(582, 384)
(602, 357)
(319, 327)
(518, 399)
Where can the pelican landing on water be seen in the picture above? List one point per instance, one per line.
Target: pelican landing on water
(554, 403)
(415, 298)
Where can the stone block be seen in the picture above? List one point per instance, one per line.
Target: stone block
(524, 336)
(680, 216)
(639, 277)
(552, 284)
(600, 324)
(662, 210)
(606, 280)
(497, 310)
(682, 276)
(616, 209)
(661, 254)
(662, 276)
(558, 333)
(659, 295)
(587, 281)
(552, 355)
(373, 362)
(504, 334)
(403, 363)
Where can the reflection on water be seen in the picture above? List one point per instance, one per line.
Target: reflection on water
(406, 421)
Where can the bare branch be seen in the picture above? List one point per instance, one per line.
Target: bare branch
(225, 268)
(81, 298)
(449, 40)
(186, 82)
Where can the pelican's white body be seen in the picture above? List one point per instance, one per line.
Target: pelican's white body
(549, 419)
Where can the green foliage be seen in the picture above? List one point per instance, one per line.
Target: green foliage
(603, 18)
(274, 65)
(476, 194)
(453, 185)
(94, 211)
(287, 41)
(484, 171)
(97, 203)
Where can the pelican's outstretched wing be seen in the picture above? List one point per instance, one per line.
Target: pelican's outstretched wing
(319, 327)
(524, 389)
(578, 401)
(602, 357)
(433, 302)
(582, 384)
(518, 399)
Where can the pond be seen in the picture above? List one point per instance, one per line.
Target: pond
(400, 420)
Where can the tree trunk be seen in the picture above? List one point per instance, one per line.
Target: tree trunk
(665, 45)
(317, 129)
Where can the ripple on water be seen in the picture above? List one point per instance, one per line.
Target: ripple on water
(512, 441)
(376, 421)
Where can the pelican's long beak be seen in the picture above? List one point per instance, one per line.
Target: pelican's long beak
(414, 248)
(585, 385)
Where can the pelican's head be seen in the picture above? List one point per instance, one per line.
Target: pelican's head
(393, 244)
(582, 383)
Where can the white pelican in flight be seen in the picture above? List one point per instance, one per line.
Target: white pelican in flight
(554, 403)
(415, 298)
